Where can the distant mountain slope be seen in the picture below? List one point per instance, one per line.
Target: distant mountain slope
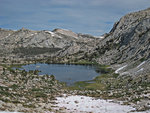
(59, 38)
(128, 43)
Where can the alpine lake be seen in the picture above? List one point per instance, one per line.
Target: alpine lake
(67, 73)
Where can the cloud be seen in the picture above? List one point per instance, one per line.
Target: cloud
(86, 16)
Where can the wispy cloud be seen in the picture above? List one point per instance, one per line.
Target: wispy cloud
(87, 16)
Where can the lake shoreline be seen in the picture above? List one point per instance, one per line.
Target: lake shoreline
(65, 73)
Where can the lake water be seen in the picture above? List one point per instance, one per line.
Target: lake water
(65, 73)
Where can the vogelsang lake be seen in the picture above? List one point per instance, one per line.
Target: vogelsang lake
(64, 72)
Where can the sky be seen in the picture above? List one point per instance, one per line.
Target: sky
(94, 17)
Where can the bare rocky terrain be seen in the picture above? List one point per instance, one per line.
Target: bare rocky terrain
(58, 39)
(124, 52)
(128, 43)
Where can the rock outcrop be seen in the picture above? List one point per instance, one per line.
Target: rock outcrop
(128, 43)
(58, 39)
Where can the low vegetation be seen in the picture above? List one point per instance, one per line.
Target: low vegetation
(34, 50)
(25, 90)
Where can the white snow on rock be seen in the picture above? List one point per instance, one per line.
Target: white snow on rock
(141, 64)
(117, 71)
(84, 104)
(52, 34)
(124, 73)
(8, 35)
(33, 34)
(140, 70)
(101, 37)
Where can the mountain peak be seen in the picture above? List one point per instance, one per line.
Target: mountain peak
(65, 32)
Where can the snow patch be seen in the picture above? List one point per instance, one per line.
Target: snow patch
(125, 73)
(117, 71)
(140, 70)
(32, 34)
(8, 35)
(77, 104)
(101, 37)
(141, 64)
(52, 34)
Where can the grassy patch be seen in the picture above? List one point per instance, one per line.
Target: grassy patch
(16, 65)
(104, 69)
(6, 93)
(35, 50)
(29, 106)
(99, 83)
(15, 102)
(136, 99)
(3, 88)
(9, 67)
(95, 86)
(40, 94)
(115, 75)
(36, 89)
(14, 86)
(4, 100)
